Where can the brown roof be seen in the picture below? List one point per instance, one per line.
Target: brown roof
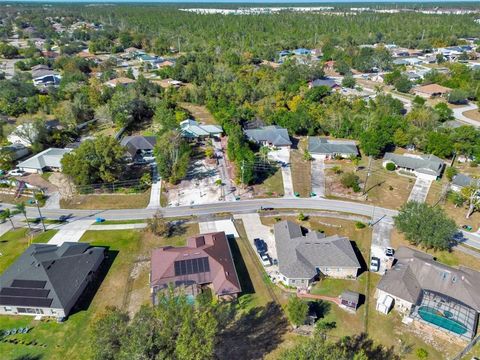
(432, 89)
(220, 273)
(416, 271)
(120, 81)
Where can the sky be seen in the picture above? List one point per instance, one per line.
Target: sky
(290, 2)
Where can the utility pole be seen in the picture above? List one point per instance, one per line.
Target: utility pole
(368, 174)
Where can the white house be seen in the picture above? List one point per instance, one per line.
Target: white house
(47, 160)
(423, 166)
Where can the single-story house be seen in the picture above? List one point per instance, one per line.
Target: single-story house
(121, 81)
(138, 145)
(303, 258)
(431, 90)
(206, 261)
(47, 280)
(47, 160)
(323, 148)
(16, 150)
(422, 166)
(460, 181)
(330, 83)
(272, 135)
(193, 130)
(43, 76)
(438, 297)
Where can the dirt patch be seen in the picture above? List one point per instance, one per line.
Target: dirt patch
(38, 181)
(63, 184)
(472, 114)
(199, 112)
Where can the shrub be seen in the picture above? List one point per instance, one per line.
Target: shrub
(359, 225)
(450, 173)
(337, 169)
(390, 166)
(422, 353)
(350, 181)
(302, 217)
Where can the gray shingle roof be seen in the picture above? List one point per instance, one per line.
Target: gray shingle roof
(63, 269)
(330, 83)
(463, 180)
(427, 164)
(416, 271)
(299, 256)
(272, 134)
(324, 146)
(135, 143)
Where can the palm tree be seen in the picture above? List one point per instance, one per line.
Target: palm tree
(21, 208)
(6, 214)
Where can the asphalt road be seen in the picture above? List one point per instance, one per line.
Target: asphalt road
(244, 206)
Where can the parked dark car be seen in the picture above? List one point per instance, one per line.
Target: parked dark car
(260, 245)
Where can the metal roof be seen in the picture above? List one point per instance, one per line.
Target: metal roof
(321, 145)
(272, 134)
(48, 158)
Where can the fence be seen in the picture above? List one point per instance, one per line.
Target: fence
(469, 347)
(124, 186)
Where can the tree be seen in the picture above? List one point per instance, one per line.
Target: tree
(6, 214)
(20, 207)
(457, 96)
(426, 226)
(349, 81)
(472, 197)
(297, 310)
(107, 333)
(402, 84)
(350, 181)
(158, 225)
(390, 166)
(173, 155)
(443, 111)
(450, 172)
(99, 160)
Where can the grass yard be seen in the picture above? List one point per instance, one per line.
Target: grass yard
(301, 170)
(125, 285)
(271, 187)
(107, 201)
(472, 114)
(199, 112)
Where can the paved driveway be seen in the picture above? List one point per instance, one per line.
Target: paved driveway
(318, 177)
(381, 240)
(219, 225)
(420, 190)
(255, 229)
(71, 232)
(155, 189)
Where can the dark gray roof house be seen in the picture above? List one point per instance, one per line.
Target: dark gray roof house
(330, 83)
(324, 146)
(272, 135)
(47, 280)
(304, 256)
(432, 292)
(423, 164)
(134, 144)
(461, 180)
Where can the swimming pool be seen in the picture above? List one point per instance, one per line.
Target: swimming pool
(436, 317)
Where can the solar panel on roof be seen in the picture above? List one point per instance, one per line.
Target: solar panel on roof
(38, 293)
(32, 284)
(191, 266)
(25, 301)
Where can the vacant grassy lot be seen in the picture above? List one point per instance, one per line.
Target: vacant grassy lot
(107, 201)
(301, 170)
(125, 285)
(271, 187)
(199, 112)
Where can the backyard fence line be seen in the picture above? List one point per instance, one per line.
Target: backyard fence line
(112, 187)
(467, 348)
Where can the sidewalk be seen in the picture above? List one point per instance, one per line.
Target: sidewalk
(71, 232)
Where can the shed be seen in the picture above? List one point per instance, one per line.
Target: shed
(349, 299)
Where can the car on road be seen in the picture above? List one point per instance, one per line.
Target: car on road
(16, 172)
(260, 245)
(266, 208)
(375, 264)
(265, 260)
(389, 251)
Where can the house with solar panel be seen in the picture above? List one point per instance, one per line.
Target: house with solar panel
(47, 280)
(206, 262)
(433, 297)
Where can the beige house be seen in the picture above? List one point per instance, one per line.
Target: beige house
(303, 256)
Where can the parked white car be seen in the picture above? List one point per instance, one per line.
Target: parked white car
(266, 260)
(16, 172)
